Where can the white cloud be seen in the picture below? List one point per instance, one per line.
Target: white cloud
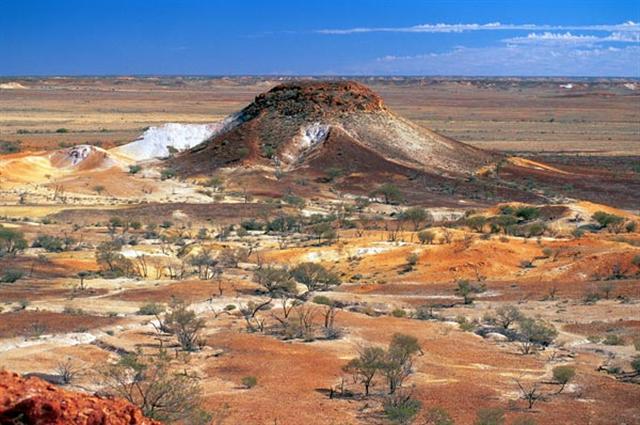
(560, 50)
(493, 26)
(569, 38)
(521, 60)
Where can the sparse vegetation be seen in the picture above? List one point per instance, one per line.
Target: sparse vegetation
(467, 290)
(148, 382)
(563, 375)
(12, 242)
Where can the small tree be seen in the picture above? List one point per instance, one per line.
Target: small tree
(417, 216)
(250, 314)
(323, 231)
(204, 264)
(314, 276)
(67, 371)
(275, 280)
(412, 260)
(398, 362)
(108, 255)
(426, 236)
(365, 367)
(562, 375)
(535, 333)
(330, 311)
(185, 325)
(530, 393)
(467, 290)
(82, 276)
(390, 192)
(230, 257)
(606, 289)
(12, 242)
(507, 315)
(476, 223)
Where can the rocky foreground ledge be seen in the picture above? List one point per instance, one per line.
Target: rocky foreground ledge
(37, 402)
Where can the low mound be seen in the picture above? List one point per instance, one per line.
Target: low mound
(288, 124)
(45, 167)
(34, 401)
(82, 158)
(12, 85)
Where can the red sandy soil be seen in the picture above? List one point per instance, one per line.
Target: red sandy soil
(458, 371)
(504, 291)
(190, 291)
(20, 323)
(31, 291)
(157, 213)
(36, 402)
(629, 330)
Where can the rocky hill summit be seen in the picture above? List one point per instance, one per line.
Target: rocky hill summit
(316, 99)
(296, 121)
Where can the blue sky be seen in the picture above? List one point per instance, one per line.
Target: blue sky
(530, 38)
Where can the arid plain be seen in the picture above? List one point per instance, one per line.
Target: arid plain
(507, 262)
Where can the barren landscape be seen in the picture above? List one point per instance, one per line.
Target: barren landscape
(310, 251)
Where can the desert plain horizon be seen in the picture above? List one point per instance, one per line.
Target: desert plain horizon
(327, 241)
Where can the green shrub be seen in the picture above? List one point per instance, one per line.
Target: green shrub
(527, 213)
(398, 312)
(150, 309)
(563, 374)
(426, 236)
(167, 173)
(400, 408)
(606, 220)
(613, 339)
(7, 147)
(322, 300)
(73, 311)
(134, 169)
(594, 339)
(465, 324)
(249, 381)
(11, 242)
(49, 243)
(11, 276)
(438, 416)
(333, 173)
(635, 364)
(490, 416)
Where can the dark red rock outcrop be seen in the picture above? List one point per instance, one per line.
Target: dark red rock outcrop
(36, 402)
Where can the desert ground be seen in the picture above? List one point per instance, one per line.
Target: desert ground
(262, 280)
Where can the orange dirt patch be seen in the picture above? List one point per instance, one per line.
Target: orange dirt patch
(189, 291)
